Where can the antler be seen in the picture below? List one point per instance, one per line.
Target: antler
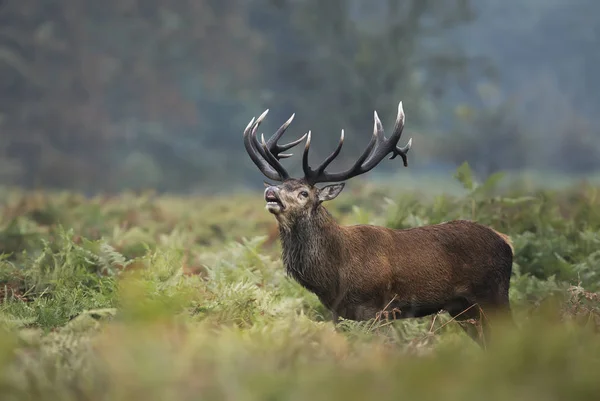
(266, 155)
(376, 150)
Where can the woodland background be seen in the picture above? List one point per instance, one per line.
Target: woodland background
(130, 94)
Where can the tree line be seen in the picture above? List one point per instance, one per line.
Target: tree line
(134, 94)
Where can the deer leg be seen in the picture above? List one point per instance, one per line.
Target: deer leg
(500, 307)
(335, 318)
(472, 321)
(494, 307)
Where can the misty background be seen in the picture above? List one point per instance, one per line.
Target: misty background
(130, 94)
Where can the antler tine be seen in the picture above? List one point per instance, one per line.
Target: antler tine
(279, 133)
(283, 148)
(332, 156)
(309, 173)
(378, 147)
(400, 117)
(255, 155)
(377, 127)
(357, 166)
(378, 137)
(367, 152)
(272, 159)
(398, 128)
(250, 124)
(402, 152)
(266, 155)
(275, 148)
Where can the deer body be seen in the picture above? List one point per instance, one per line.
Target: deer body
(361, 272)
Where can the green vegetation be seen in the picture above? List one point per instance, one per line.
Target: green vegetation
(162, 297)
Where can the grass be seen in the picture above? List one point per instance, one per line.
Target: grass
(172, 297)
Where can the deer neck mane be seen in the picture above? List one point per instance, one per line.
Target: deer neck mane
(312, 250)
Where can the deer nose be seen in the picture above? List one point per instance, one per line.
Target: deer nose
(271, 192)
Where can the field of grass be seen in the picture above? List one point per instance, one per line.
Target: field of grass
(183, 298)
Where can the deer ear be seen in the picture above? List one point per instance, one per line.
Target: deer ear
(330, 192)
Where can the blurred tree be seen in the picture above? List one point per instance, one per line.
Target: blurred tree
(339, 60)
(489, 137)
(529, 38)
(129, 93)
(519, 131)
(85, 82)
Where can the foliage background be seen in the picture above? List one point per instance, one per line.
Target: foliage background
(154, 94)
(174, 297)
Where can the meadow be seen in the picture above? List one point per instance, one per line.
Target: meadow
(157, 297)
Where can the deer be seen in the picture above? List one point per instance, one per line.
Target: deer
(360, 272)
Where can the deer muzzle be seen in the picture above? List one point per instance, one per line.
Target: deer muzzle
(274, 204)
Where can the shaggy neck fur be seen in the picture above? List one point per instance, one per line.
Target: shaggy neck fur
(312, 250)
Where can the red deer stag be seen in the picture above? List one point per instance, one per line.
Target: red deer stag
(361, 272)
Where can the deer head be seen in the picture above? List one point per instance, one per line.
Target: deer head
(297, 197)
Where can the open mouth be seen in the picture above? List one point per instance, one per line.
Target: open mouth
(273, 200)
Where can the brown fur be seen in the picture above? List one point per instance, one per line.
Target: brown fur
(357, 271)
(507, 239)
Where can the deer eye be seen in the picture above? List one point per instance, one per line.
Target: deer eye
(303, 194)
